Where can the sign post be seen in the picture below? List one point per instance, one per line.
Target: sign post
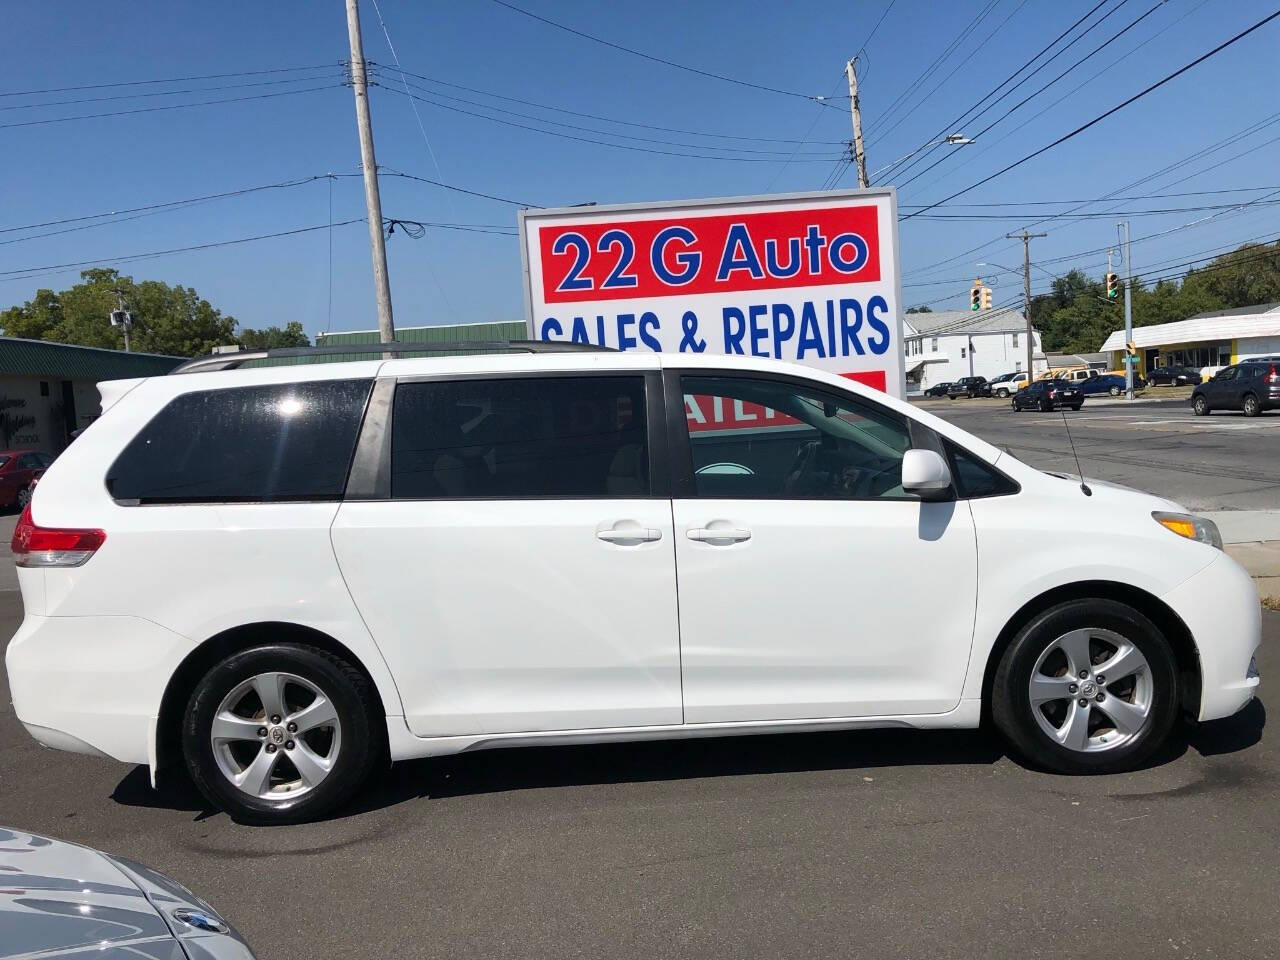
(811, 278)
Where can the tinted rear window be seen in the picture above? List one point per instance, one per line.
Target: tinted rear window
(290, 441)
(512, 438)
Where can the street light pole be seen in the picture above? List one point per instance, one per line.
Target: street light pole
(1128, 316)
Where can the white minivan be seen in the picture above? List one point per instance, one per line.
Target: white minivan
(279, 577)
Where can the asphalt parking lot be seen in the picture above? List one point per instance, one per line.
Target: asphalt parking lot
(1224, 461)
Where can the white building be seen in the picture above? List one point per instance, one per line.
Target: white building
(946, 345)
(1206, 340)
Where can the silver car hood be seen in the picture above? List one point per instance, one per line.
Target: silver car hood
(64, 900)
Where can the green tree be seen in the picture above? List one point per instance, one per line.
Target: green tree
(169, 320)
(923, 308)
(272, 338)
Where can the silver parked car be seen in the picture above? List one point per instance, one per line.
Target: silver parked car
(67, 901)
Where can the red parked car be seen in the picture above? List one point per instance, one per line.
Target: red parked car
(19, 471)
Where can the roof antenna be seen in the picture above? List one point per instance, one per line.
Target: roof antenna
(1084, 487)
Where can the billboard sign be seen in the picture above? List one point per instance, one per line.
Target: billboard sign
(811, 278)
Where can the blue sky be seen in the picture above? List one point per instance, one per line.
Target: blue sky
(71, 169)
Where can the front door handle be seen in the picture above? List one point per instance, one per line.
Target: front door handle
(627, 532)
(718, 535)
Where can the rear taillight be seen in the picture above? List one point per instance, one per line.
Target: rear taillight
(35, 546)
(1272, 375)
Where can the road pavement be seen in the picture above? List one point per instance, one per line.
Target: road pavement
(1221, 462)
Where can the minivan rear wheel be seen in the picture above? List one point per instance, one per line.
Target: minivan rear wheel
(1088, 686)
(280, 733)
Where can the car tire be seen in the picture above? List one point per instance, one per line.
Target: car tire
(1251, 405)
(22, 498)
(338, 755)
(1014, 403)
(1076, 406)
(1200, 405)
(1002, 394)
(1114, 391)
(1125, 717)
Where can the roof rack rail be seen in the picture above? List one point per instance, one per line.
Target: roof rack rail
(232, 360)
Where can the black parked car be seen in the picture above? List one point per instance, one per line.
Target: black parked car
(970, 387)
(938, 390)
(1173, 376)
(1251, 386)
(1048, 394)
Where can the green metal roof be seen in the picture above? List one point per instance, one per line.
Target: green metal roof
(64, 361)
(444, 333)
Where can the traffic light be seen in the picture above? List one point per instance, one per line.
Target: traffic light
(975, 296)
(1113, 286)
(986, 298)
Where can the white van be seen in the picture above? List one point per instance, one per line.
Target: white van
(280, 577)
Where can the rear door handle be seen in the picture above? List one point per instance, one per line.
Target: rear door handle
(629, 534)
(718, 535)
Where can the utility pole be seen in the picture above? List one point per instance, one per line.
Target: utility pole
(859, 155)
(1128, 316)
(373, 202)
(1026, 290)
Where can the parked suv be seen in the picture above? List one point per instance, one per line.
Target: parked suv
(970, 387)
(280, 578)
(1252, 386)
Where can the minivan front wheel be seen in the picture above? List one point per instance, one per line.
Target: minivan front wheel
(1088, 686)
(279, 733)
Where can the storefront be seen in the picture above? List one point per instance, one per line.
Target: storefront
(1206, 341)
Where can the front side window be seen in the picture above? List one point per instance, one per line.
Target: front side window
(1227, 374)
(286, 441)
(506, 438)
(775, 439)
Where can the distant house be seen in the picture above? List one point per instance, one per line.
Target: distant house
(48, 390)
(1212, 339)
(944, 346)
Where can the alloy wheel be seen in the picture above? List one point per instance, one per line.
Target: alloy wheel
(1091, 690)
(275, 736)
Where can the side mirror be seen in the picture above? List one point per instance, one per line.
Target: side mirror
(925, 473)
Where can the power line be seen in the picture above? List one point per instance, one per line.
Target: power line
(950, 48)
(176, 204)
(592, 116)
(871, 36)
(573, 126)
(651, 57)
(603, 143)
(172, 106)
(973, 155)
(1176, 165)
(163, 93)
(26, 273)
(954, 124)
(1098, 49)
(1118, 107)
(133, 83)
(389, 172)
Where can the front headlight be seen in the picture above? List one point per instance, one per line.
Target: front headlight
(1190, 526)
